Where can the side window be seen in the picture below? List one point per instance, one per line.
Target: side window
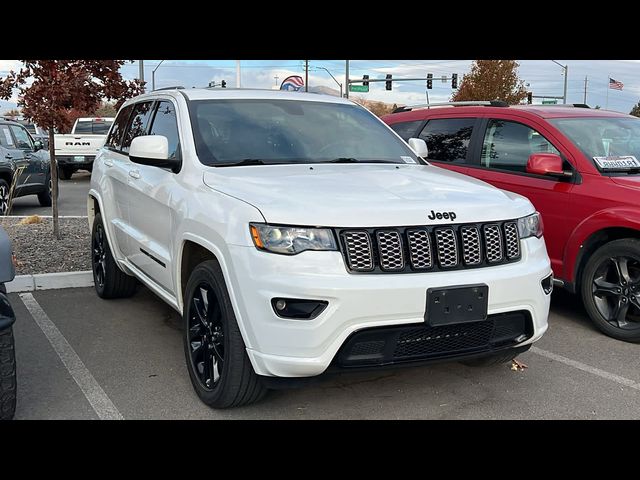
(6, 140)
(115, 136)
(137, 124)
(23, 139)
(448, 138)
(165, 122)
(407, 130)
(507, 145)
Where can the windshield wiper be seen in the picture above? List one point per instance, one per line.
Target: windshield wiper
(355, 160)
(246, 161)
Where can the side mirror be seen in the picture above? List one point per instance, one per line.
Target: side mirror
(37, 145)
(419, 146)
(152, 150)
(546, 164)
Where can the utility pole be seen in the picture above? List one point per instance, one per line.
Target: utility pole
(276, 77)
(306, 75)
(566, 78)
(141, 71)
(585, 90)
(153, 76)
(238, 82)
(346, 79)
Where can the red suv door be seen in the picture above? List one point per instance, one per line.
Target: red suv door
(500, 158)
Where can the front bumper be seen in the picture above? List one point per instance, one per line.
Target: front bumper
(300, 348)
(77, 161)
(7, 317)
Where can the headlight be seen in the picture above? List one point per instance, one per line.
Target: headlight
(291, 240)
(530, 226)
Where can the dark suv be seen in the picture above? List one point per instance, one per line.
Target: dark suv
(579, 166)
(7, 318)
(24, 162)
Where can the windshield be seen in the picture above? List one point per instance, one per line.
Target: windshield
(96, 127)
(287, 131)
(613, 143)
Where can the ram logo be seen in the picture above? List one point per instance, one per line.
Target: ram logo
(80, 144)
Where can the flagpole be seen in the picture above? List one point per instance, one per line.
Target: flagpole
(606, 107)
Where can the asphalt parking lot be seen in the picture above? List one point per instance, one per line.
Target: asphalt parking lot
(124, 359)
(72, 199)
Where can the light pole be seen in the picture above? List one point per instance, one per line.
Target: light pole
(153, 76)
(334, 78)
(566, 75)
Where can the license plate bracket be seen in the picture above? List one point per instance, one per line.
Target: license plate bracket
(456, 304)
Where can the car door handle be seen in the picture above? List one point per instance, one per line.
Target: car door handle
(108, 163)
(134, 173)
(8, 157)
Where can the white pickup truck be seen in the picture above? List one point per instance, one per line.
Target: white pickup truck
(76, 151)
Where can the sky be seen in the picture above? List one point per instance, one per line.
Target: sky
(543, 76)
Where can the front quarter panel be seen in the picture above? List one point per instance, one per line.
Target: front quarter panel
(617, 217)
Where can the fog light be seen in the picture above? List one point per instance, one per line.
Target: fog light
(547, 284)
(297, 308)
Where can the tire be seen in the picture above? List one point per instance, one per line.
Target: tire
(217, 341)
(44, 197)
(495, 359)
(8, 386)
(610, 289)
(65, 173)
(4, 197)
(108, 279)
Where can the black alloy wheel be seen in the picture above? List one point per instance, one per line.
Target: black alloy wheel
(616, 291)
(4, 197)
(98, 254)
(206, 336)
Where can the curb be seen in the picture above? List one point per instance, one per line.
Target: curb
(50, 281)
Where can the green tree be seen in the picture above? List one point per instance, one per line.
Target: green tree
(106, 109)
(635, 111)
(492, 80)
(49, 89)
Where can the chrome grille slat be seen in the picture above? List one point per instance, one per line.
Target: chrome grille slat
(390, 250)
(429, 248)
(512, 240)
(419, 242)
(471, 253)
(493, 243)
(447, 247)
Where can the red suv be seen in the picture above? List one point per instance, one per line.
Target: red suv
(580, 167)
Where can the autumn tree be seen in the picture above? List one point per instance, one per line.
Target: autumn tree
(635, 111)
(377, 108)
(14, 112)
(58, 86)
(492, 80)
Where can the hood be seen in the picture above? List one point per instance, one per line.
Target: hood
(629, 181)
(365, 195)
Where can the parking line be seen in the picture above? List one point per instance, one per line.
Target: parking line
(587, 368)
(98, 399)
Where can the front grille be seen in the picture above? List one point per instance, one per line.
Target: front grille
(429, 248)
(417, 342)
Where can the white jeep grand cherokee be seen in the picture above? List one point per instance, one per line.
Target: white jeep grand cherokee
(297, 233)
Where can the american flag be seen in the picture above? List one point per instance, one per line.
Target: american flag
(616, 85)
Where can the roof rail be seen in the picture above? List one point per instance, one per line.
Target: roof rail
(486, 103)
(176, 87)
(575, 105)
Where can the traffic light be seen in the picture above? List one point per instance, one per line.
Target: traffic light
(388, 83)
(224, 84)
(454, 80)
(529, 98)
(365, 82)
(429, 81)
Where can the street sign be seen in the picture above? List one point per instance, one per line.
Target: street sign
(550, 102)
(358, 88)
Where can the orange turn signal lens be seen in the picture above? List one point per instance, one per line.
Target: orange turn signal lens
(256, 236)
